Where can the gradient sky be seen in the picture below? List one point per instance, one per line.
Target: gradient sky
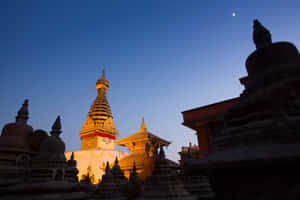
(161, 58)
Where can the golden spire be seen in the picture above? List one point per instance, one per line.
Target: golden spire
(102, 83)
(103, 74)
(100, 109)
(143, 125)
(99, 121)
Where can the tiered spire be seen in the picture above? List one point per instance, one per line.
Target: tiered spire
(100, 110)
(99, 121)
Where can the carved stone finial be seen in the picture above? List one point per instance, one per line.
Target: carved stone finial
(107, 167)
(22, 116)
(72, 156)
(116, 161)
(161, 154)
(261, 35)
(56, 127)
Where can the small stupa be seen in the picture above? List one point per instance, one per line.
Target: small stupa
(51, 176)
(118, 176)
(107, 188)
(197, 184)
(134, 186)
(164, 182)
(15, 149)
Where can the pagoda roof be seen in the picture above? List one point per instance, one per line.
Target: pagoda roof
(143, 134)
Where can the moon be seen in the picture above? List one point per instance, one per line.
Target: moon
(233, 14)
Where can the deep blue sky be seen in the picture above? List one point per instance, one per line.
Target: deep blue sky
(161, 58)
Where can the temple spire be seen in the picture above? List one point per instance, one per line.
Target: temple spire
(22, 116)
(143, 125)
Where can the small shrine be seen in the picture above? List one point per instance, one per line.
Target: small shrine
(143, 146)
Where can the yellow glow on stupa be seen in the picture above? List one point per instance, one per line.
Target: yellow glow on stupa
(99, 131)
(98, 136)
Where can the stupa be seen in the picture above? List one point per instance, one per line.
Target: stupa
(118, 176)
(50, 176)
(134, 186)
(143, 146)
(164, 183)
(257, 153)
(98, 136)
(15, 149)
(107, 188)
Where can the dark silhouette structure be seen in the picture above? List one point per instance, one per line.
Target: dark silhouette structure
(256, 154)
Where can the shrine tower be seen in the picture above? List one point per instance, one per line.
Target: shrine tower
(99, 131)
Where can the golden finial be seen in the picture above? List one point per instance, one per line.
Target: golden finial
(143, 126)
(102, 82)
(103, 74)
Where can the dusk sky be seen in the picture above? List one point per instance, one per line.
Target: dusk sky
(161, 57)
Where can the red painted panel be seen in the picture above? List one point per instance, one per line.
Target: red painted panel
(99, 134)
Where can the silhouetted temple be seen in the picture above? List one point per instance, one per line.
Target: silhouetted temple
(256, 153)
